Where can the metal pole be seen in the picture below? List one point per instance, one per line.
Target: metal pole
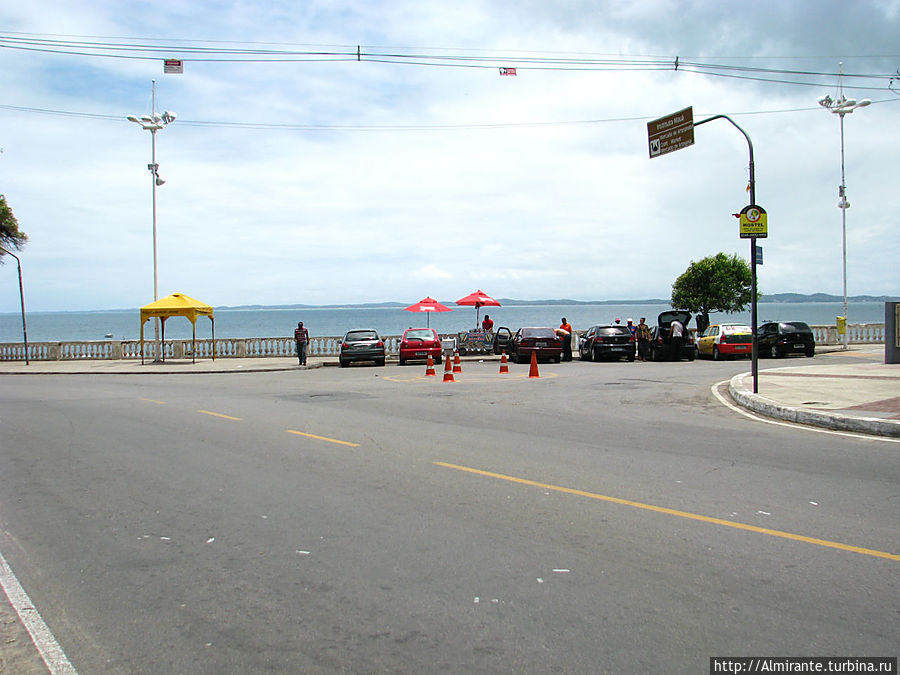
(843, 204)
(753, 314)
(21, 301)
(155, 264)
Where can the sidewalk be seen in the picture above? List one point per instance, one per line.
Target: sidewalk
(861, 397)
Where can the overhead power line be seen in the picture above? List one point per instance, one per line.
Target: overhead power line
(201, 51)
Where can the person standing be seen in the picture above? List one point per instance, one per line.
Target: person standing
(642, 334)
(677, 339)
(301, 337)
(566, 328)
(630, 325)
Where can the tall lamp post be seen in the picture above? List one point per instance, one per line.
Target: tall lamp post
(843, 106)
(21, 300)
(153, 123)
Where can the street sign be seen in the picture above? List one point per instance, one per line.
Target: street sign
(670, 133)
(759, 256)
(754, 222)
(173, 66)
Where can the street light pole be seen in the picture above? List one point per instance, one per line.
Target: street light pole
(153, 123)
(21, 300)
(843, 106)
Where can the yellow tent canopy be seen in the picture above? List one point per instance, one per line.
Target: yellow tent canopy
(178, 304)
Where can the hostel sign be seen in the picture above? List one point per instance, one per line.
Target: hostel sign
(670, 133)
(754, 222)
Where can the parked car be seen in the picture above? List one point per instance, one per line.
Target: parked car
(501, 339)
(604, 342)
(725, 341)
(361, 344)
(777, 338)
(661, 338)
(540, 340)
(417, 343)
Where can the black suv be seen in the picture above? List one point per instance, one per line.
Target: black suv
(661, 348)
(607, 342)
(777, 338)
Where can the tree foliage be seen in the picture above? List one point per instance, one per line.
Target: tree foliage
(11, 237)
(718, 283)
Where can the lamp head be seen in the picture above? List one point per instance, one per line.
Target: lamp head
(824, 101)
(168, 117)
(133, 118)
(160, 180)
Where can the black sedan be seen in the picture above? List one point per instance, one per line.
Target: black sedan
(778, 338)
(607, 342)
(362, 344)
(662, 347)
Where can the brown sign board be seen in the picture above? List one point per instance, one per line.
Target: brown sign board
(670, 133)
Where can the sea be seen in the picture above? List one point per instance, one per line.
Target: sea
(335, 321)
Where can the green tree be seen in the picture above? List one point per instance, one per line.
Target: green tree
(718, 283)
(11, 237)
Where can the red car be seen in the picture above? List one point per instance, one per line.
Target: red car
(417, 343)
(543, 342)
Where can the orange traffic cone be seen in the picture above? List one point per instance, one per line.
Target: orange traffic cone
(457, 367)
(504, 367)
(533, 371)
(429, 369)
(448, 373)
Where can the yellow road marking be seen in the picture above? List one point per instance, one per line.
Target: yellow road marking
(674, 512)
(214, 414)
(150, 400)
(323, 438)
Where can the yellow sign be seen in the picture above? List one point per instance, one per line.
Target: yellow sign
(754, 222)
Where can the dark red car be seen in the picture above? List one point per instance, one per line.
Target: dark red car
(542, 341)
(417, 343)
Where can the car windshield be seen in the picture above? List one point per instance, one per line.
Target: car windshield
(423, 334)
(613, 330)
(538, 333)
(795, 327)
(356, 335)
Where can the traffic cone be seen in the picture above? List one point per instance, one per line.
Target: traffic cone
(533, 371)
(429, 369)
(457, 368)
(448, 373)
(504, 367)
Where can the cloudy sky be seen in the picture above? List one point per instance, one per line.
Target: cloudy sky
(297, 173)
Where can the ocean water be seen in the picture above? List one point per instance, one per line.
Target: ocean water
(330, 321)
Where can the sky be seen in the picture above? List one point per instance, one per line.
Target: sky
(329, 152)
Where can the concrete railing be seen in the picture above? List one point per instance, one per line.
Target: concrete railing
(872, 333)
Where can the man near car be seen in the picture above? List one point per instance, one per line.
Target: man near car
(642, 334)
(677, 335)
(301, 337)
(566, 328)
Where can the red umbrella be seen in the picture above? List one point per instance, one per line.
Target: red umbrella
(428, 305)
(478, 299)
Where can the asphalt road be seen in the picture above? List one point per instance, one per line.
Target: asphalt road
(610, 517)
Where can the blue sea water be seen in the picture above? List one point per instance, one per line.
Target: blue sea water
(331, 321)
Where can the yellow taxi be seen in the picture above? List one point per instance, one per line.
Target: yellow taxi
(725, 341)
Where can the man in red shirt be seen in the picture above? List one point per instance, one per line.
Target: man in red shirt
(566, 327)
(301, 337)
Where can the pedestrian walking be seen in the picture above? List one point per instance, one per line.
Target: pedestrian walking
(301, 337)
(642, 334)
(565, 329)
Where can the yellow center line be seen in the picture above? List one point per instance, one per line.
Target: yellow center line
(322, 438)
(674, 512)
(215, 414)
(151, 400)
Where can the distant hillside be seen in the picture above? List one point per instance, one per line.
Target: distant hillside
(823, 297)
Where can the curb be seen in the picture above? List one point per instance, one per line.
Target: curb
(759, 404)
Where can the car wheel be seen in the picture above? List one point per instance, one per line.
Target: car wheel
(717, 356)
(438, 360)
(585, 357)
(810, 352)
(692, 353)
(400, 362)
(631, 357)
(777, 353)
(342, 363)
(379, 362)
